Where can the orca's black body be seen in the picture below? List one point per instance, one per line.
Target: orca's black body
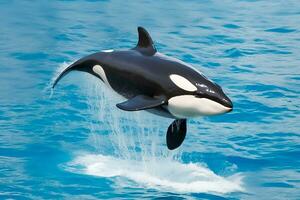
(142, 75)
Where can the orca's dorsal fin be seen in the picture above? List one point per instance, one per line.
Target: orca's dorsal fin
(145, 44)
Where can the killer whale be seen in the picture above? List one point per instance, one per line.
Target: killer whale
(157, 83)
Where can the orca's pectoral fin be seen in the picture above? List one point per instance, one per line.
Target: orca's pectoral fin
(176, 133)
(141, 102)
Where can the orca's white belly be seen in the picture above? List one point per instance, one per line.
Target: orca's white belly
(187, 106)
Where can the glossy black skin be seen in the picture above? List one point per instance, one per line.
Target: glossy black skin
(132, 72)
(143, 76)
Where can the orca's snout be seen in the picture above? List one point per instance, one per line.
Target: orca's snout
(227, 103)
(222, 98)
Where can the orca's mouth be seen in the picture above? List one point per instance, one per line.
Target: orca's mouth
(227, 103)
(224, 101)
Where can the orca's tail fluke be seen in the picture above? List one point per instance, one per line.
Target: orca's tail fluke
(83, 64)
(176, 133)
(62, 74)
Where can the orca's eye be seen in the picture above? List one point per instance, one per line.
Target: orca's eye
(199, 94)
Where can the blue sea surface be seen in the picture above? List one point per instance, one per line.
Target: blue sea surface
(74, 143)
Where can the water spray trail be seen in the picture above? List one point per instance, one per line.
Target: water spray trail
(132, 145)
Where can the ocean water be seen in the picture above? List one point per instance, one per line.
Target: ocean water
(73, 143)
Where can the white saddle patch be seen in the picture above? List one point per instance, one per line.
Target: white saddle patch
(108, 50)
(99, 70)
(183, 83)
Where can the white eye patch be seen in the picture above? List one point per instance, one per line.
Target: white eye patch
(183, 83)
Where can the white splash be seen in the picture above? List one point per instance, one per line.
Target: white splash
(131, 146)
(161, 174)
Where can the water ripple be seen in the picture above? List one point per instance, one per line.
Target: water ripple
(281, 30)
